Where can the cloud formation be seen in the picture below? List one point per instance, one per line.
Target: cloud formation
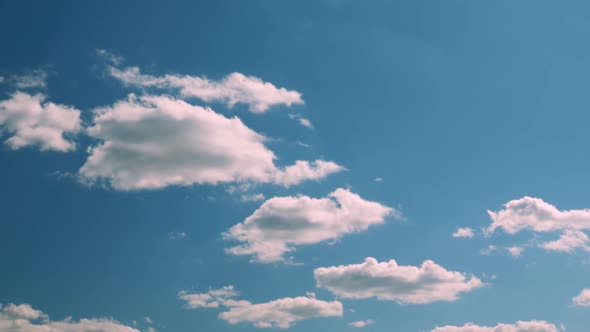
(362, 323)
(23, 318)
(30, 79)
(568, 242)
(33, 122)
(281, 313)
(152, 142)
(236, 88)
(582, 299)
(520, 326)
(464, 232)
(534, 214)
(282, 223)
(389, 281)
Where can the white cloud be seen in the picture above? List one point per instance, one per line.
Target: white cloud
(177, 235)
(152, 142)
(31, 79)
(487, 251)
(149, 320)
(520, 326)
(362, 323)
(281, 313)
(110, 57)
(568, 242)
(252, 197)
(534, 214)
(464, 232)
(515, 251)
(304, 170)
(23, 318)
(302, 121)
(389, 281)
(281, 223)
(582, 299)
(233, 89)
(378, 179)
(33, 122)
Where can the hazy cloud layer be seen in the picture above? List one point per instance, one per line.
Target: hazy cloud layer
(389, 281)
(282, 223)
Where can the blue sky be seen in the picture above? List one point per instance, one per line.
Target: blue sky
(310, 165)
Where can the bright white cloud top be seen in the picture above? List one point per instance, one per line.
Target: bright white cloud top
(534, 214)
(33, 122)
(464, 232)
(24, 318)
(282, 223)
(361, 323)
(568, 242)
(280, 313)
(423, 284)
(152, 142)
(582, 299)
(231, 90)
(520, 326)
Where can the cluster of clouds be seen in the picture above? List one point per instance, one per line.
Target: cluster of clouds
(151, 140)
(280, 313)
(520, 326)
(537, 216)
(24, 318)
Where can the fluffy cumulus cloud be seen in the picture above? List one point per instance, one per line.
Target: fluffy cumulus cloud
(362, 323)
(31, 121)
(568, 242)
(281, 223)
(23, 318)
(152, 142)
(532, 326)
(534, 214)
(582, 299)
(515, 251)
(423, 284)
(464, 232)
(281, 313)
(231, 90)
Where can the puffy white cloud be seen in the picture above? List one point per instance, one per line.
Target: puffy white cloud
(389, 281)
(33, 122)
(31, 79)
(252, 197)
(568, 242)
(23, 318)
(281, 223)
(152, 142)
(281, 313)
(233, 89)
(582, 299)
(304, 170)
(362, 323)
(534, 214)
(464, 232)
(520, 326)
(515, 251)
